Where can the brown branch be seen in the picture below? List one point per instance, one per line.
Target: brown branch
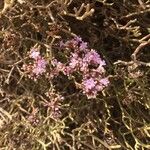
(135, 14)
(77, 12)
(134, 55)
(141, 4)
(140, 47)
(7, 5)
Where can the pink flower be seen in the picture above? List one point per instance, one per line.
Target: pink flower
(89, 84)
(39, 67)
(57, 65)
(104, 81)
(92, 86)
(54, 103)
(89, 88)
(74, 61)
(78, 39)
(100, 69)
(92, 57)
(84, 67)
(41, 63)
(34, 54)
(61, 44)
(57, 68)
(83, 46)
(84, 62)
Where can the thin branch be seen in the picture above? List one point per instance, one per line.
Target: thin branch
(7, 5)
(134, 60)
(135, 14)
(140, 47)
(77, 12)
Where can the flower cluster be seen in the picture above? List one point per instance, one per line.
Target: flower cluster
(33, 117)
(86, 62)
(79, 61)
(54, 103)
(38, 65)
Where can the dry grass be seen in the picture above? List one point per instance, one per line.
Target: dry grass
(119, 118)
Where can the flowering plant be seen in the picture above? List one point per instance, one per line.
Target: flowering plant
(84, 61)
(37, 67)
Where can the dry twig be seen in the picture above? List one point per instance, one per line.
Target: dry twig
(77, 12)
(134, 60)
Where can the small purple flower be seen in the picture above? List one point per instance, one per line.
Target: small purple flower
(74, 42)
(92, 57)
(60, 66)
(54, 104)
(61, 44)
(89, 88)
(41, 63)
(85, 62)
(74, 61)
(39, 67)
(34, 54)
(89, 84)
(67, 70)
(104, 81)
(84, 67)
(83, 46)
(78, 39)
(57, 68)
(57, 64)
(100, 69)
(99, 87)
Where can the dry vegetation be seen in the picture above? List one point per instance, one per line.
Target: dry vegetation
(53, 114)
